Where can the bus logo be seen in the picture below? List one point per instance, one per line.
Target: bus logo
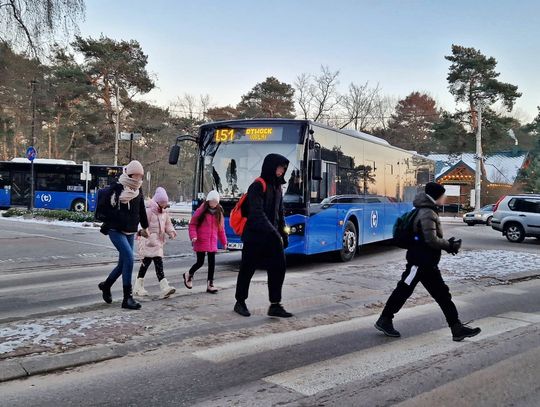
(374, 219)
(46, 198)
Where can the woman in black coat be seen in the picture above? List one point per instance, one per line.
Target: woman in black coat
(264, 236)
(123, 208)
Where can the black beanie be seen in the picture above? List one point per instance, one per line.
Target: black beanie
(435, 190)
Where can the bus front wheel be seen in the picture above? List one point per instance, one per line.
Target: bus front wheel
(78, 205)
(349, 242)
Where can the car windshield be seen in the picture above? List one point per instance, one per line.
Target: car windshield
(233, 158)
(487, 208)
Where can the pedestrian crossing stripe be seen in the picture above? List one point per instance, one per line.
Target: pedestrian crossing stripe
(254, 345)
(314, 378)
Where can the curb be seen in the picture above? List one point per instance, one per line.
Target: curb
(12, 370)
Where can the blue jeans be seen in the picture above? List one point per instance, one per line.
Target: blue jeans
(124, 245)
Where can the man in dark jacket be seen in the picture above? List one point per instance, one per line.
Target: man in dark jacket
(422, 266)
(264, 236)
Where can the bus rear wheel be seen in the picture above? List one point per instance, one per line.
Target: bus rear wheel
(349, 242)
(78, 205)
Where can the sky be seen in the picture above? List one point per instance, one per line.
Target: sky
(224, 47)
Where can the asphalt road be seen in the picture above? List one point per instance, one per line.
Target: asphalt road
(48, 269)
(264, 362)
(341, 364)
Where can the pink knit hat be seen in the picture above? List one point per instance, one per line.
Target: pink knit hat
(134, 167)
(161, 197)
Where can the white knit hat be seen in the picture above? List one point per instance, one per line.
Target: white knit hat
(213, 196)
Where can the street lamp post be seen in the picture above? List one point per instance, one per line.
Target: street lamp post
(116, 126)
(479, 158)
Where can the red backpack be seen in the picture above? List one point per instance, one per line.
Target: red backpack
(237, 220)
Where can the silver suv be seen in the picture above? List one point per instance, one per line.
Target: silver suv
(517, 217)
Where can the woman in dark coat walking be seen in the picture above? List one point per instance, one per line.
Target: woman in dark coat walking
(123, 208)
(264, 236)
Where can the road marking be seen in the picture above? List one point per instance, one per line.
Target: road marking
(67, 240)
(510, 290)
(311, 379)
(251, 346)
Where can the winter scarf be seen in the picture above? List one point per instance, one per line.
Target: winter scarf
(131, 188)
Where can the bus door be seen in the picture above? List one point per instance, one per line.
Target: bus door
(5, 186)
(323, 230)
(20, 187)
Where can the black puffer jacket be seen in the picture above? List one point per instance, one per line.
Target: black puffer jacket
(427, 251)
(264, 210)
(125, 217)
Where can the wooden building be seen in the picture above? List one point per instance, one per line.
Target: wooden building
(499, 175)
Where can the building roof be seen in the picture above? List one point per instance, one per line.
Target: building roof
(501, 167)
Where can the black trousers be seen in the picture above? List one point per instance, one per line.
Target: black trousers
(200, 263)
(432, 280)
(158, 263)
(260, 256)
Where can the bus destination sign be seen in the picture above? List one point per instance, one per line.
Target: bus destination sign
(248, 135)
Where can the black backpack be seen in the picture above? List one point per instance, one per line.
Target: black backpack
(103, 203)
(403, 233)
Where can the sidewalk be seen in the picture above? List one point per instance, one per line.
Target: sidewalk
(317, 292)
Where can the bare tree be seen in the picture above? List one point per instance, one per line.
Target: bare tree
(326, 97)
(304, 94)
(33, 24)
(191, 107)
(384, 107)
(360, 106)
(317, 96)
(204, 103)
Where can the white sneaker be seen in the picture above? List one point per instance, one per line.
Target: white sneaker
(139, 290)
(166, 289)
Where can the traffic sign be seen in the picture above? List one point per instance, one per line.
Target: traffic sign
(129, 136)
(31, 153)
(86, 167)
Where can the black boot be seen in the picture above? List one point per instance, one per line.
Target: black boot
(385, 325)
(129, 302)
(461, 331)
(277, 310)
(241, 308)
(105, 287)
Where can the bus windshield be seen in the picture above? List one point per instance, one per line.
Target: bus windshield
(233, 157)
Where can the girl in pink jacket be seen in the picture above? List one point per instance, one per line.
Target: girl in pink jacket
(151, 248)
(206, 227)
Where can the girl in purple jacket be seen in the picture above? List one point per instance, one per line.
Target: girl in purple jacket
(206, 227)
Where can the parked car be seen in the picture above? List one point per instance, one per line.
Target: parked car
(517, 217)
(482, 217)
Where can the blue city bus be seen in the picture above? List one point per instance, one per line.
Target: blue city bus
(57, 184)
(344, 188)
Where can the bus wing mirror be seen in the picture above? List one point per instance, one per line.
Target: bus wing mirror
(174, 154)
(316, 170)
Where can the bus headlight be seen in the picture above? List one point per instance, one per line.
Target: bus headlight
(297, 229)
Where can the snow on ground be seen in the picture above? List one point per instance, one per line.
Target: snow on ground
(472, 264)
(51, 332)
(63, 223)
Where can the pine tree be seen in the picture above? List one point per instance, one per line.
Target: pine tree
(270, 98)
(472, 79)
(529, 176)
